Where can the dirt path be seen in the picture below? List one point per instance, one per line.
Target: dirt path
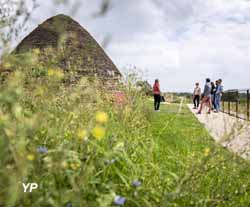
(231, 132)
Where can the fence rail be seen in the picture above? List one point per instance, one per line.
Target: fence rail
(237, 103)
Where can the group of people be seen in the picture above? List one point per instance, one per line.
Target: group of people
(211, 96)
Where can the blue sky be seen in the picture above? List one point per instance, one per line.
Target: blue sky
(180, 42)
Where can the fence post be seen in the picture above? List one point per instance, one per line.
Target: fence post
(229, 107)
(248, 113)
(237, 109)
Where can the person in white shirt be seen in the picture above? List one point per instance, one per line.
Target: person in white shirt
(196, 96)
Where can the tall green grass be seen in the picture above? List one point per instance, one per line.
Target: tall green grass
(196, 171)
(84, 148)
(93, 148)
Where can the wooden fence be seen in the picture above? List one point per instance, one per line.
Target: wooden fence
(236, 103)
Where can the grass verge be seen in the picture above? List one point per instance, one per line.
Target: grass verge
(194, 170)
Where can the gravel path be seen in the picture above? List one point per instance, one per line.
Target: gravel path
(227, 130)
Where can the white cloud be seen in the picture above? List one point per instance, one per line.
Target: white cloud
(146, 51)
(180, 42)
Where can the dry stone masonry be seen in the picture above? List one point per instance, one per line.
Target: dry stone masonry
(77, 50)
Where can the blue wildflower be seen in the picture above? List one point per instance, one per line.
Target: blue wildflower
(42, 149)
(69, 204)
(119, 201)
(136, 183)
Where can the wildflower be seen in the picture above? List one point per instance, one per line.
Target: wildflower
(42, 150)
(37, 51)
(56, 73)
(74, 166)
(136, 183)
(78, 165)
(98, 132)
(59, 74)
(101, 117)
(7, 65)
(47, 159)
(17, 110)
(107, 162)
(119, 98)
(119, 146)
(206, 152)
(30, 157)
(50, 72)
(119, 201)
(64, 164)
(9, 167)
(68, 204)
(112, 161)
(81, 134)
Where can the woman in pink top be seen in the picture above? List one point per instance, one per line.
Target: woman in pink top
(157, 95)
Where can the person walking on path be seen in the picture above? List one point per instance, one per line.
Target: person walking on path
(157, 95)
(213, 90)
(218, 94)
(196, 96)
(206, 100)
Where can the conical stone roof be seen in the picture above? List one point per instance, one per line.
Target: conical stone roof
(77, 49)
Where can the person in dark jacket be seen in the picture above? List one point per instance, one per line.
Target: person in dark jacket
(213, 90)
(206, 100)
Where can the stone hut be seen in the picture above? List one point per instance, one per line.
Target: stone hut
(76, 49)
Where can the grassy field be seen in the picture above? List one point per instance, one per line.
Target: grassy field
(85, 147)
(195, 171)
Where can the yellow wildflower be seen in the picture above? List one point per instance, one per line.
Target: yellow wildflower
(81, 134)
(48, 160)
(59, 74)
(30, 157)
(55, 73)
(206, 152)
(37, 51)
(73, 166)
(50, 72)
(64, 164)
(7, 65)
(98, 132)
(101, 117)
